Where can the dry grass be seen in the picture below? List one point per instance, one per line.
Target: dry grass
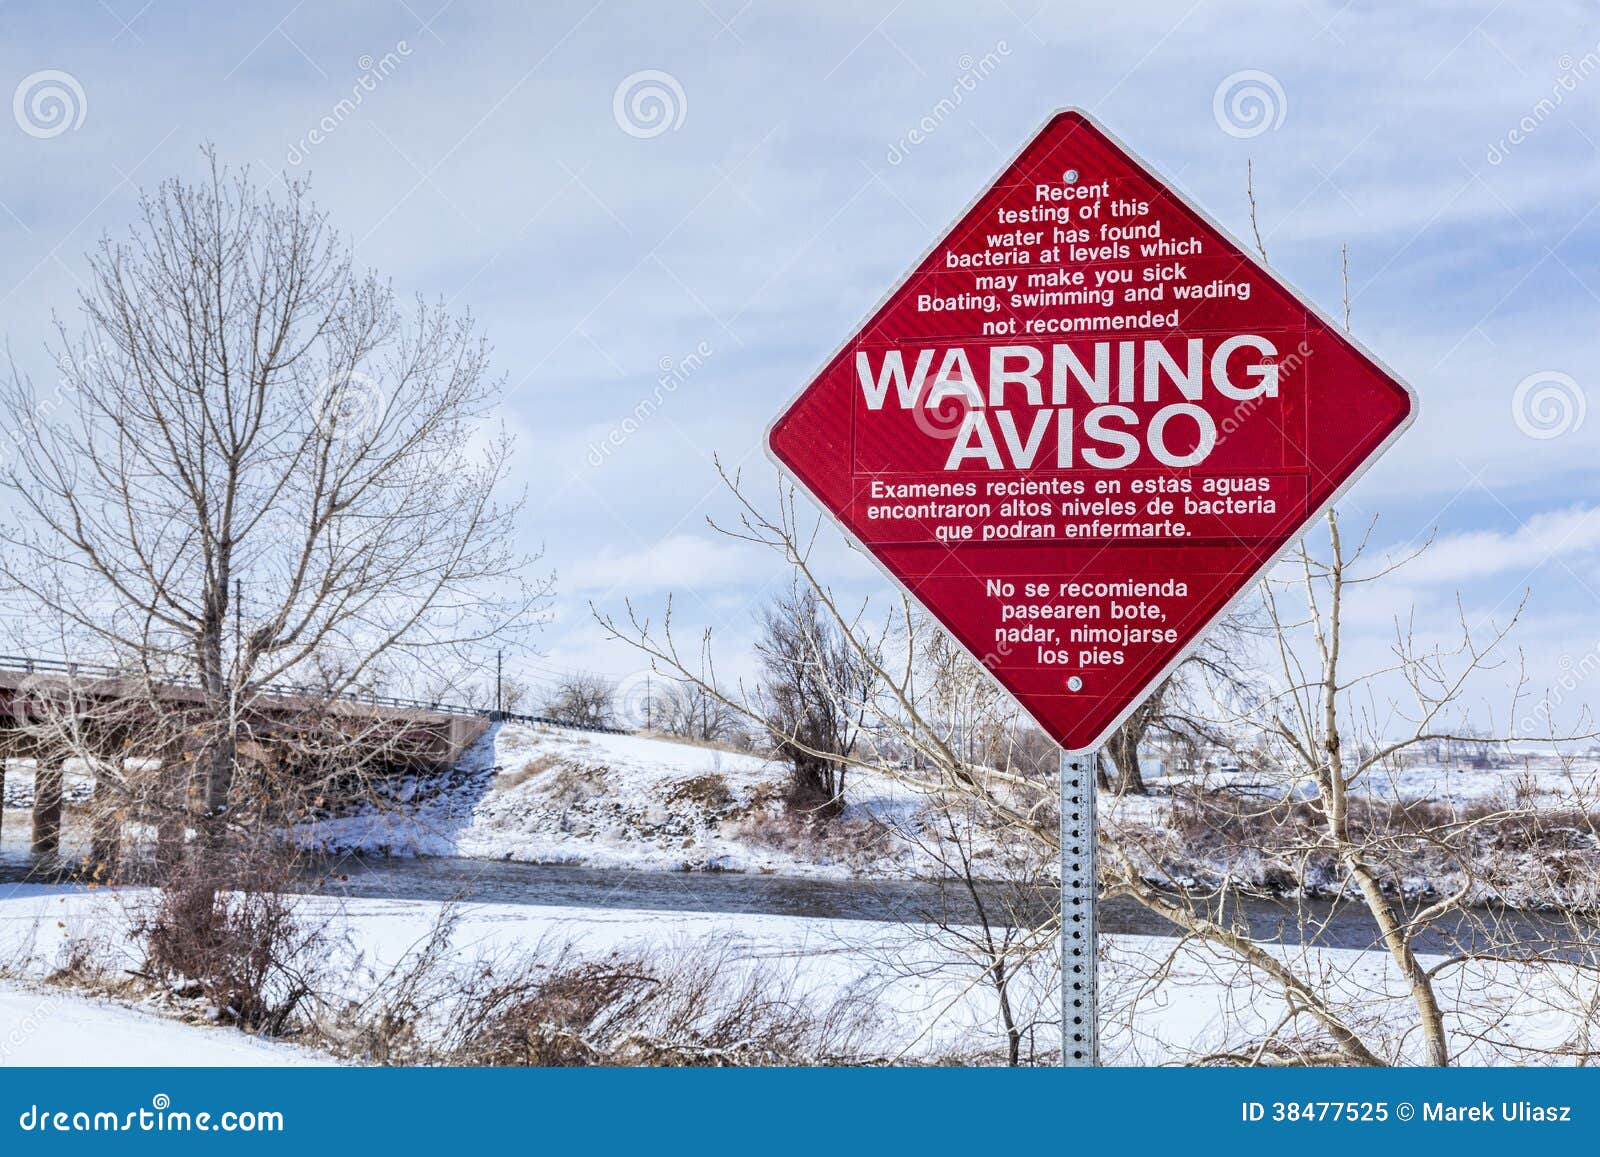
(854, 842)
(577, 783)
(507, 780)
(699, 1004)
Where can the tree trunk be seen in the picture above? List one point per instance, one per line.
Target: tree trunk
(48, 781)
(1123, 747)
(105, 841)
(1335, 798)
(1002, 986)
(219, 778)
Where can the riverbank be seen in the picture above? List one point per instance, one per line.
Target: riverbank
(916, 993)
(549, 795)
(546, 795)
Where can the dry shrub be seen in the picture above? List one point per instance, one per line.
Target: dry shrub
(1515, 853)
(708, 791)
(551, 1005)
(575, 784)
(698, 1006)
(237, 940)
(853, 842)
(554, 1015)
(81, 962)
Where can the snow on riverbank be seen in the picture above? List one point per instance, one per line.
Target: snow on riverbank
(1542, 781)
(1528, 837)
(1163, 1001)
(552, 795)
(923, 1010)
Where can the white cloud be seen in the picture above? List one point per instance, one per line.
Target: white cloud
(1477, 554)
(678, 562)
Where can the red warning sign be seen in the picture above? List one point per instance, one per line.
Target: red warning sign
(1083, 424)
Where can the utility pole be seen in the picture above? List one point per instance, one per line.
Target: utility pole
(499, 695)
(1080, 887)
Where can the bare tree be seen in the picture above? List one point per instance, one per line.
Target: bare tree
(259, 466)
(1323, 737)
(1178, 710)
(815, 695)
(515, 695)
(688, 710)
(582, 699)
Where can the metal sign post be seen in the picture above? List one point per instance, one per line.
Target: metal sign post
(1080, 989)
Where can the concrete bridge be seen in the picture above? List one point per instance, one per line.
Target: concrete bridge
(110, 712)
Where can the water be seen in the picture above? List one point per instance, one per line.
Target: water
(1332, 924)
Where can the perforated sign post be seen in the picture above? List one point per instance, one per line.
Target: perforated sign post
(1076, 432)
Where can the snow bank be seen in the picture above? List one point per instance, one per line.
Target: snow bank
(50, 1026)
(542, 794)
(1163, 1001)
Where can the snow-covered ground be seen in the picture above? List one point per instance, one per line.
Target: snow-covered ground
(552, 795)
(929, 1010)
(42, 1025)
(1162, 1001)
(1543, 781)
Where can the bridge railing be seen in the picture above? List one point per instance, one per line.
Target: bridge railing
(33, 665)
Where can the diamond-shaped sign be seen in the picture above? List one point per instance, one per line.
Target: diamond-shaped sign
(1083, 424)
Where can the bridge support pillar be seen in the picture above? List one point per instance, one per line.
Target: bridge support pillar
(49, 780)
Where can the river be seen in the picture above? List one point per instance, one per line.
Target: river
(1333, 924)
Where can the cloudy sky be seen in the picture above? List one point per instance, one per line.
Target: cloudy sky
(617, 190)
